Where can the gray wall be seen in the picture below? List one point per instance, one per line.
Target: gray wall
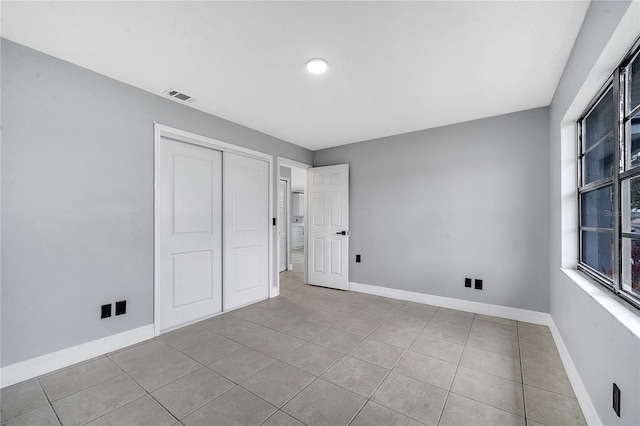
(429, 208)
(285, 172)
(77, 207)
(602, 349)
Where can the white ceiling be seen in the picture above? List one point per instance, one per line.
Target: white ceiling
(394, 67)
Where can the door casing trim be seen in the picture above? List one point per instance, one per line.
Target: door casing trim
(282, 161)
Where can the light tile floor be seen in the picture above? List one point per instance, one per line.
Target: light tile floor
(315, 356)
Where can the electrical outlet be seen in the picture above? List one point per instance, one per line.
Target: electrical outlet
(357, 258)
(616, 399)
(121, 307)
(467, 282)
(106, 311)
(478, 284)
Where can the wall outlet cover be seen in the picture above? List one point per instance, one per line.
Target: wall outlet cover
(478, 284)
(121, 307)
(105, 311)
(616, 399)
(467, 282)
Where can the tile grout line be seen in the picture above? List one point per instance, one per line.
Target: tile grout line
(327, 368)
(387, 374)
(323, 371)
(456, 372)
(524, 401)
(66, 369)
(122, 406)
(167, 384)
(392, 367)
(55, 413)
(493, 375)
(293, 366)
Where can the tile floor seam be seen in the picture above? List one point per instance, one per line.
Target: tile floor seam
(427, 383)
(199, 407)
(388, 408)
(55, 413)
(204, 365)
(524, 399)
(97, 384)
(550, 391)
(367, 399)
(168, 383)
(163, 407)
(387, 375)
(323, 371)
(80, 389)
(444, 407)
(109, 412)
(490, 373)
(487, 404)
(48, 402)
(454, 378)
(381, 381)
(279, 410)
(335, 384)
(253, 374)
(358, 411)
(287, 401)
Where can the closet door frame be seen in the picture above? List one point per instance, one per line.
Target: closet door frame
(162, 131)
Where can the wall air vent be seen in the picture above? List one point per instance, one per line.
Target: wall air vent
(179, 95)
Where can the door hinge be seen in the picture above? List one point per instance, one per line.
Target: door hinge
(274, 221)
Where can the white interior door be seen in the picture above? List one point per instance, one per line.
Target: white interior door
(190, 229)
(327, 225)
(246, 230)
(283, 196)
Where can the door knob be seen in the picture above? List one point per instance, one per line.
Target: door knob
(342, 233)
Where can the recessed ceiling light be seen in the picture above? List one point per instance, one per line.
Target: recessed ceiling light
(317, 65)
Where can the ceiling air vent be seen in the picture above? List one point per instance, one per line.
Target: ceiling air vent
(179, 95)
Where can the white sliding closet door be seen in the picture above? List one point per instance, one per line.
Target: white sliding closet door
(190, 233)
(246, 230)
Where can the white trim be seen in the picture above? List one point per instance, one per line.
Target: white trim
(588, 409)
(34, 367)
(622, 312)
(282, 161)
(287, 220)
(183, 135)
(272, 208)
(542, 318)
(160, 131)
(516, 314)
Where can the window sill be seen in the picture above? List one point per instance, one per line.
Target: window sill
(626, 314)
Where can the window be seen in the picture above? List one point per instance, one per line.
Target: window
(609, 182)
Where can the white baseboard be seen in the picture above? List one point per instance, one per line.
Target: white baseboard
(35, 367)
(542, 318)
(516, 314)
(588, 409)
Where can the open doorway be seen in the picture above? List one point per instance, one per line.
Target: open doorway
(292, 185)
